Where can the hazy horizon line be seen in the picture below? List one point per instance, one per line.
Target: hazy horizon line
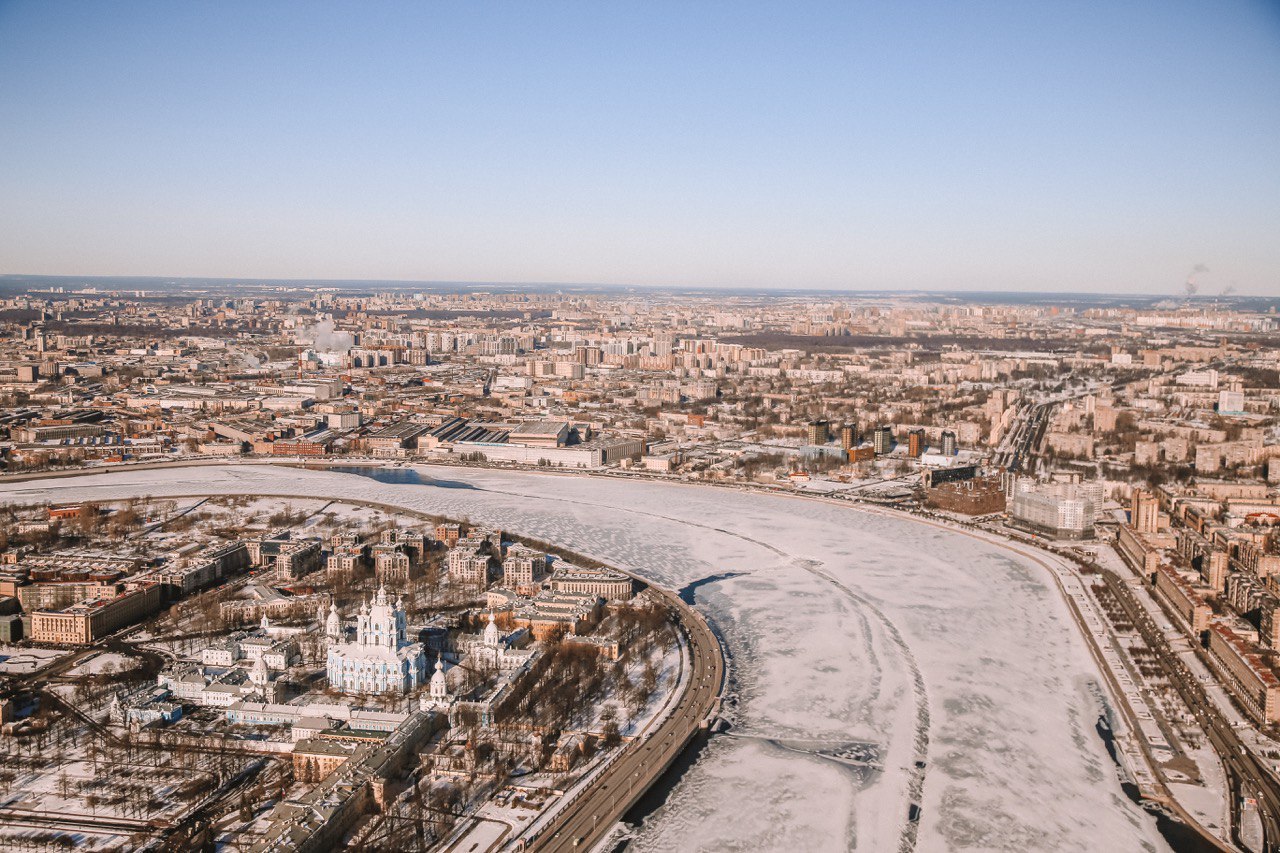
(580, 285)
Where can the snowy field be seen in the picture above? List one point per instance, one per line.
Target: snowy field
(877, 662)
(16, 661)
(103, 663)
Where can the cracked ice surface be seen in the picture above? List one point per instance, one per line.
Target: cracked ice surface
(844, 627)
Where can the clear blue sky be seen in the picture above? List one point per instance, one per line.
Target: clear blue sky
(1106, 146)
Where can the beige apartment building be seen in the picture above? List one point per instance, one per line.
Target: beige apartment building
(523, 568)
(87, 622)
(1250, 679)
(1183, 597)
(605, 583)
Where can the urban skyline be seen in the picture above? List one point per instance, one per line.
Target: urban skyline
(931, 557)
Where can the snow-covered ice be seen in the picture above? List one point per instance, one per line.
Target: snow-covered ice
(950, 664)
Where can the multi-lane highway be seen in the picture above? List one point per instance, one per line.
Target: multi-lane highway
(597, 808)
(591, 813)
(1246, 775)
(1017, 450)
(1165, 657)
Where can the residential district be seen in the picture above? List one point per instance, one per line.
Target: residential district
(278, 674)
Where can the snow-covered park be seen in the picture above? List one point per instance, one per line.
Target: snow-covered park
(16, 661)
(878, 663)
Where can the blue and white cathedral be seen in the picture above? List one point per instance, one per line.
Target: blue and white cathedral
(381, 660)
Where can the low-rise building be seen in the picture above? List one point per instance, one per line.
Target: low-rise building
(89, 621)
(608, 584)
(315, 758)
(221, 687)
(978, 496)
(554, 613)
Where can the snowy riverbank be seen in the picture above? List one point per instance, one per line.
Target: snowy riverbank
(851, 634)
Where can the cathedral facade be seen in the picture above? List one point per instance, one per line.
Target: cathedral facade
(380, 659)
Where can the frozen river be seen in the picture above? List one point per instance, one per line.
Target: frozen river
(878, 663)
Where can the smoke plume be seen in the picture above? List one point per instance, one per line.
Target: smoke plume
(1192, 286)
(323, 337)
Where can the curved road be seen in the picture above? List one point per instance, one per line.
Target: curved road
(842, 625)
(593, 815)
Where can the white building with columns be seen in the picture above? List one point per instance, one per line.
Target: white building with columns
(381, 659)
(490, 650)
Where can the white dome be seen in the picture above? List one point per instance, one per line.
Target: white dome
(439, 689)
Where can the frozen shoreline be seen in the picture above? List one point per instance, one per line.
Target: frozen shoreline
(832, 607)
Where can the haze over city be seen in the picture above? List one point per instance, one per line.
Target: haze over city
(925, 145)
